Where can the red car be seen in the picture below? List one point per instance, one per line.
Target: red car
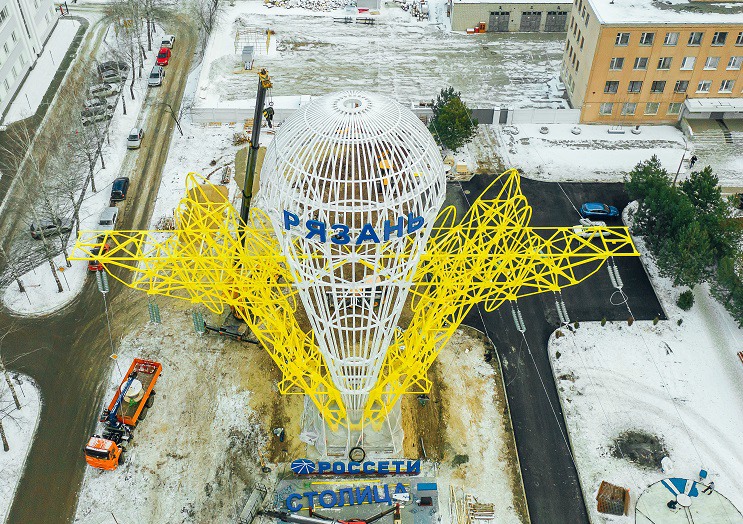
(94, 265)
(163, 57)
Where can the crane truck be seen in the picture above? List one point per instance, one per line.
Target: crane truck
(129, 405)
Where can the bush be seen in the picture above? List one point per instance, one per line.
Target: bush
(603, 321)
(558, 354)
(685, 300)
(656, 320)
(679, 321)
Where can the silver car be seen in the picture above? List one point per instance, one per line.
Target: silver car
(48, 228)
(156, 76)
(104, 90)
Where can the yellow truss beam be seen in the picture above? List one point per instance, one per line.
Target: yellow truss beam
(489, 256)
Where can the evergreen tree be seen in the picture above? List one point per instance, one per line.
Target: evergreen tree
(451, 121)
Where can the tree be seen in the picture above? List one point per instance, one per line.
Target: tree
(451, 121)
(687, 257)
(206, 13)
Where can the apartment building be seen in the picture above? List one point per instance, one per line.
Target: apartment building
(639, 61)
(25, 26)
(510, 15)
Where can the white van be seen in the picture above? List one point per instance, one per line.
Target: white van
(168, 41)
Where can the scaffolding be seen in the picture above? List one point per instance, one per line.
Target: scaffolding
(257, 38)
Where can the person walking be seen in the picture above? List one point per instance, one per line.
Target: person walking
(710, 488)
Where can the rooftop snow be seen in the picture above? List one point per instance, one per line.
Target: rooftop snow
(628, 12)
(567, 3)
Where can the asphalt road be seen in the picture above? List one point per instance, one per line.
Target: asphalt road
(68, 353)
(550, 478)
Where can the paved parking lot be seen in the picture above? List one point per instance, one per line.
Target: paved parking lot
(550, 477)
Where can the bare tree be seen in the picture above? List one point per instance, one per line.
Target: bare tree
(207, 14)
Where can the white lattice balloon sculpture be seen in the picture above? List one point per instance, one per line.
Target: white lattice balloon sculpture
(352, 183)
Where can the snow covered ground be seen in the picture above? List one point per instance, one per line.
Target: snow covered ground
(33, 89)
(20, 426)
(682, 383)
(592, 155)
(41, 295)
(410, 61)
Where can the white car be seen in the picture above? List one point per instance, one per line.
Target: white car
(168, 41)
(104, 90)
(107, 218)
(134, 140)
(587, 228)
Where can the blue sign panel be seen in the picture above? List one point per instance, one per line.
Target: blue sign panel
(380, 467)
(341, 233)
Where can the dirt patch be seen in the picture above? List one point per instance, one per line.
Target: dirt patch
(640, 448)
(424, 425)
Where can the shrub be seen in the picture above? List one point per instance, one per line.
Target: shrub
(656, 320)
(630, 321)
(558, 354)
(685, 300)
(679, 321)
(576, 325)
(603, 321)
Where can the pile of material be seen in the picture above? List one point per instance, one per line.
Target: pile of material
(314, 5)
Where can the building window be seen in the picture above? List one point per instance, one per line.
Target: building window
(13, 37)
(46, 18)
(671, 39)
(5, 48)
(735, 62)
(674, 108)
(15, 73)
(658, 86)
(687, 64)
(664, 63)
(577, 66)
(695, 38)
(635, 86)
(582, 41)
(727, 86)
(606, 108)
(6, 84)
(588, 17)
(739, 40)
(712, 62)
(622, 39)
(719, 38)
(651, 108)
(704, 86)
(681, 86)
(629, 108)
(647, 38)
(36, 4)
(611, 86)
(617, 64)
(23, 59)
(641, 63)
(3, 14)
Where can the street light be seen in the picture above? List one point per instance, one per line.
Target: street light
(682, 161)
(172, 114)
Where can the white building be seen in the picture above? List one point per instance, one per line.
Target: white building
(25, 26)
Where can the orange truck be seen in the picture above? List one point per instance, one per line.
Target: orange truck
(133, 398)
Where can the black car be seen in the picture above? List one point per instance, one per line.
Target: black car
(119, 189)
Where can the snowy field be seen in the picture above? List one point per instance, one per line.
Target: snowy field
(407, 60)
(593, 155)
(41, 295)
(680, 383)
(20, 426)
(33, 89)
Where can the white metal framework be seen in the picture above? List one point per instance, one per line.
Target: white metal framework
(352, 184)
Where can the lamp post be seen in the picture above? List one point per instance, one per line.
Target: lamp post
(172, 114)
(682, 161)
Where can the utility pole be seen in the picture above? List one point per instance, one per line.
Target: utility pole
(264, 84)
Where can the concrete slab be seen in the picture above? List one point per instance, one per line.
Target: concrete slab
(704, 508)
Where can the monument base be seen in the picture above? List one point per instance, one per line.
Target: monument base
(387, 442)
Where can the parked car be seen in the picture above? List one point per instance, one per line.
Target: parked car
(134, 140)
(50, 228)
(104, 90)
(94, 265)
(97, 102)
(588, 228)
(598, 210)
(113, 65)
(168, 41)
(163, 56)
(107, 218)
(156, 76)
(96, 115)
(119, 189)
(113, 77)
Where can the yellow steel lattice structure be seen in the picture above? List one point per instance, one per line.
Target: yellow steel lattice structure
(489, 256)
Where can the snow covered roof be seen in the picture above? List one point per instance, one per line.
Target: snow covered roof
(627, 12)
(707, 105)
(566, 3)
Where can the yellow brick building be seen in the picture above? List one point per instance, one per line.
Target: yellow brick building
(637, 61)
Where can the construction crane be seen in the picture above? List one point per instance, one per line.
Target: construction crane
(264, 84)
(316, 518)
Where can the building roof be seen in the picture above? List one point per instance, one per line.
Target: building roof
(565, 3)
(714, 105)
(629, 12)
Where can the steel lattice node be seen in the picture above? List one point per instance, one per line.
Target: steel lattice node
(344, 237)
